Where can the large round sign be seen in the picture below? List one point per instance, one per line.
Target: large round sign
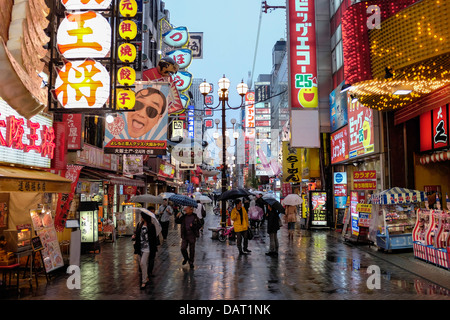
(86, 4)
(84, 35)
(82, 84)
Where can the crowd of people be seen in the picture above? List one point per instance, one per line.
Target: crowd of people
(191, 220)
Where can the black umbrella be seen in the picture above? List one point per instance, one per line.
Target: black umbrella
(275, 204)
(233, 194)
(183, 200)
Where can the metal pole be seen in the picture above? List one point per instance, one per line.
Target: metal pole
(224, 164)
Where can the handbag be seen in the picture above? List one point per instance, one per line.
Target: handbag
(249, 234)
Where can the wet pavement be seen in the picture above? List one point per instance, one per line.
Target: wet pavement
(317, 265)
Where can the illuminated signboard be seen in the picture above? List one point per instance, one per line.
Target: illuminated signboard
(339, 145)
(434, 129)
(183, 57)
(82, 84)
(177, 37)
(250, 115)
(84, 35)
(27, 142)
(361, 132)
(302, 54)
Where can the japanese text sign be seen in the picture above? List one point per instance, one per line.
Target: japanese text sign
(27, 142)
(434, 129)
(361, 133)
(365, 180)
(292, 165)
(250, 115)
(302, 54)
(339, 145)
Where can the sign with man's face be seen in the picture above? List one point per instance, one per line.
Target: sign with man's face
(144, 130)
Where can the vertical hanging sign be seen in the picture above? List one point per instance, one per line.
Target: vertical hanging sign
(83, 36)
(302, 54)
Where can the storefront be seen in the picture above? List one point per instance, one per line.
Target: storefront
(29, 194)
(356, 159)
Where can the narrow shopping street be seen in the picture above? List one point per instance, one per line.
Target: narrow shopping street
(317, 265)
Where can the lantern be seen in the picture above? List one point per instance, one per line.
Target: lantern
(128, 8)
(128, 29)
(84, 34)
(82, 84)
(125, 99)
(127, 52)
(126, 76)
(83, 4)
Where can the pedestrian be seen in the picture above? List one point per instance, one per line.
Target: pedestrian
(273, 225)
(239, 217)
(290, 218)
(164, 213)
(145, 246)
(189, 229)
(200, 211)
(262, 204)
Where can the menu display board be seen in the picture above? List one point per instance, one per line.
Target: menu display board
(318, 208)
(45, 229)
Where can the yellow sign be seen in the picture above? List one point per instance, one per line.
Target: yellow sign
(128, 8)
(127, 52)
(125, 99)
(364, 207)
(292, 164)
(128, 29)
(126, 76)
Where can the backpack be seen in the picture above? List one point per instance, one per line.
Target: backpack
(203, 211)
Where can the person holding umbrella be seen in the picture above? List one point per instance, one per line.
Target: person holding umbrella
(190, 226)
(145, 246)
(239, 217)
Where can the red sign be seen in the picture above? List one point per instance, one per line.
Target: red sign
(75, 124)
(340, 190)
(361, 131)
(209, 100)
(434, 129)
(208, 112)
(339, 145)
(302, 53)
(262, 123)
(365, 180)
(59, 159)
(209, 124)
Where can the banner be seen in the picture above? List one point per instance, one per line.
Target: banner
(65, 199)
(143, 131)
(292, 165)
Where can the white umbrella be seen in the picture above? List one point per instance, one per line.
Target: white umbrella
(147, 198)
(292, 200)
(154, 219)
(202, 198)
(268, 196)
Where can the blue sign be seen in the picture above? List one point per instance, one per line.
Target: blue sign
(338, 108)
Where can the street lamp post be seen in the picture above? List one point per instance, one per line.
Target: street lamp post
(224, 85)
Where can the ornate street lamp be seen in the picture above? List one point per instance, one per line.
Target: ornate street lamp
(224, 85)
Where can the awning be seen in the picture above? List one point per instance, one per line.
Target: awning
(112, 178)
(14, 179)
(398, 195)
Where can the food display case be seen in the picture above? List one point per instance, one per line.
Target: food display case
(18, 240)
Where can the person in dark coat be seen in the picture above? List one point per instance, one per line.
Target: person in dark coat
(273, 225)
(190, 231)
(262, 204)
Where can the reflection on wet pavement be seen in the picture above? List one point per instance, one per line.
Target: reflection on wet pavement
(317, 265)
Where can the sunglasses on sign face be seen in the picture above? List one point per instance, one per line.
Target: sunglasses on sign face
(151, 112)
